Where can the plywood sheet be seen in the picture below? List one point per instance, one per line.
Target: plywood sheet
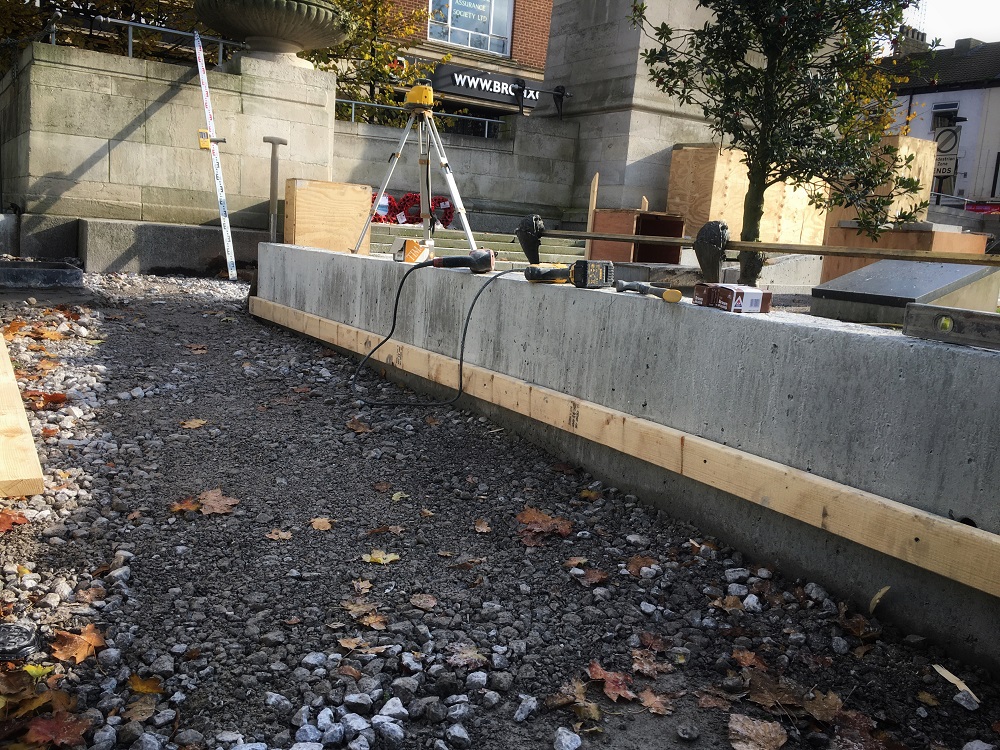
(327, 215)
(20, 470)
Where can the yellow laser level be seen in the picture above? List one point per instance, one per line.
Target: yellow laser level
(421, 96)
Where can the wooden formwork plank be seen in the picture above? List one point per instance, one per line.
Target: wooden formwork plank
(20, 470)
(961, 553)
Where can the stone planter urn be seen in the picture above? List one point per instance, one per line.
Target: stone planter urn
(277, 30)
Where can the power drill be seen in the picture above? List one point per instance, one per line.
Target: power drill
(584, 274)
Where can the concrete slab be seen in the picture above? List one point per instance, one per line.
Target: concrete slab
(879, 293)
(110, 246)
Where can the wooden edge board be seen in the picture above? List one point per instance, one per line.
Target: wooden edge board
(20, 470)
(961, 553)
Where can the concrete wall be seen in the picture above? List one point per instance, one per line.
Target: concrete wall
(911, 420)
(88, 134)
(529, 169)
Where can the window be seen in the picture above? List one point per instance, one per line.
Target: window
(478, 24)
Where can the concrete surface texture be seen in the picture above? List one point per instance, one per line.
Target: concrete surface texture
(906, 419)
(105, 136)
(627, 127)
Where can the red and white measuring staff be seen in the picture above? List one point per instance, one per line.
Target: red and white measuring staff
(220, 188)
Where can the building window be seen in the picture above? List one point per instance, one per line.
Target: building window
(478, 24)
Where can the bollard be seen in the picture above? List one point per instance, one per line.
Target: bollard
(272, 221)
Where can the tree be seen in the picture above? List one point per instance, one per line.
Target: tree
(369, 62)
(795, 85)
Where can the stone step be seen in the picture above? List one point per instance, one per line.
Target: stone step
(441, 235)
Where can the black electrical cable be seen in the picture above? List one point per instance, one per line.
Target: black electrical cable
(392, 329)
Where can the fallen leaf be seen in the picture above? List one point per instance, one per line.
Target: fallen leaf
(637, 562)
(445, 553)
(361, 586)
(213, 501)
(68, 646)
(302, 389)
(38, 671)
(615, 683)
(432, 421)
(749, 734)
(593, 576)
(46, 365)
(729, 603)
(860, 651)
(382, 486)
(957, 682)
(197, 348)
(927, 699)
(11, 518)
(768, 693)
(322, 524)
(373, 649)
(657, 704)
(425, 602)
(357, 608)
(397, 496)
(857, 624)
(187, 504)
(482, 527)
(151, 685)
(425, 513)
(374, 621)
(380, 557)
(465, 655)
(349, 671)
(538, 525)
(38, 400)
(278, 535)
(50, 431)
(61, 730)
(707, 700)
(194, 424)
(823, 707)
(12, 329)
(644, 663)
(591, 494)
(351, 643)
(12, 683)
(575, 562)
(653, 642)
(877, 598)
(748, 659)
(292, 621)
(141, 709)
(357, 426)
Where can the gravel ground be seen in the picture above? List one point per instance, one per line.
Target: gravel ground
(261, 625)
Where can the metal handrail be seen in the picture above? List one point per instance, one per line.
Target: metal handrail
(132, 25)
(485, 120)
(954, 201)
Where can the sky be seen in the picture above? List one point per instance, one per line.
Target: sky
(958, 19)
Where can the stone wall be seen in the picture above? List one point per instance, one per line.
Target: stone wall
(87, 134)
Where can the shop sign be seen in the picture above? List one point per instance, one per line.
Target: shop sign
(479, 84)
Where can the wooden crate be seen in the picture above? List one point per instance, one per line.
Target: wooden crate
(327, 215)
(709, 184)
(634, 221)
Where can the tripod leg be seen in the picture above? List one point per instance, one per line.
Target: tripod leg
(393, 160)
(423, 134)
(449, 178)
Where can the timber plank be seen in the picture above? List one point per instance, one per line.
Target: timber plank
(20, 470)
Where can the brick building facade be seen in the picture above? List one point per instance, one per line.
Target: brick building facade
(492, 44)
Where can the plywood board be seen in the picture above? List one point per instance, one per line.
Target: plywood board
(962, 553)
(327, 215)
(709, 184)
(20, 470)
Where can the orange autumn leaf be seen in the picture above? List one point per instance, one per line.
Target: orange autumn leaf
(374, 621)
(593, 576)
(188, 503)
(382, 486)
(482, 527)
(644, 662)
(425, 602)
(10, 518)
(637, 562)
(748, 659)
(348, 671)
(278, 535)
(321, 524)
(12, 329)
(615, 683)
(149, 685)
(537, 525)
(67, 646)
(357, 426)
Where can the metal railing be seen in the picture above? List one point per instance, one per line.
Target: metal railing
(101, 21)
(949, 201)
(482, 127)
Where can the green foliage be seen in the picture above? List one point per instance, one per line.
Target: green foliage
(796, 85)
(369, 62)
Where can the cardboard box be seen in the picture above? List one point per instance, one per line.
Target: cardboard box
(705, 294)
(742, 299)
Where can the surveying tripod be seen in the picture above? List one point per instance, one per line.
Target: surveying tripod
(420, 102)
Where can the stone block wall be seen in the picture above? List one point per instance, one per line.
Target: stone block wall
(88, 134)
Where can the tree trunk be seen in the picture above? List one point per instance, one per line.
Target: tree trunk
(752, 262)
